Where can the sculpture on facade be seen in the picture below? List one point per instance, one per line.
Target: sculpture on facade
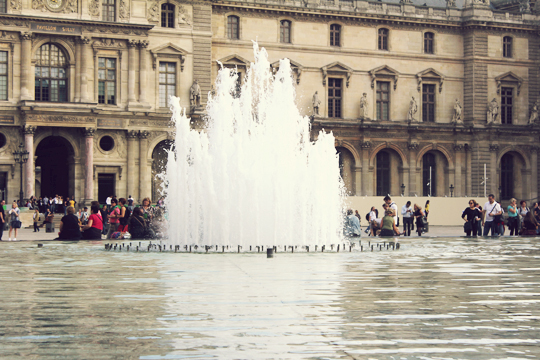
(534, 113)
(457, 119)
(524, 6)
(195, 94)
(316, 103)
(413, 109)
(364, 107)
(492, 111)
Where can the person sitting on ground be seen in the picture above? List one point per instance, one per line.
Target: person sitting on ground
(352, 225)
(92, 230)
(388, 224)
(69, 226)
(530, 225)
(376, 225)
(137, 225)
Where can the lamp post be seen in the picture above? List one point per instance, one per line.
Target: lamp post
(21, 156)
(451, 190)
(402, 189)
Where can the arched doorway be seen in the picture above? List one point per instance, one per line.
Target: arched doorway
(159, 165)
(389, 172)
(346, 166)
(55, 160)
(435, 181)
(512, 180)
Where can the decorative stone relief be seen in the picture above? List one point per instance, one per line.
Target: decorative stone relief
(450, 3)
(123, 12)
(153, 11)
(413, 146)
(494, 147)
(94, 7)
(111, 43)
(534, 113)
(13, 137)
(15, 5)
(143, 134)
(5, 36)
(364, 107)
(122, 146)
(65, 6)
(195, 94)
(492, 112)
(132, 134)
(525, 6)
(413, 109)
(183, 16)
(457, 118)
(29, 130)
(365, 145)
(89, 131)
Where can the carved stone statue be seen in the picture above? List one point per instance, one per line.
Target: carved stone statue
(451, 3)
(492, 111)
(413, 109)
(364, 107)
(457, 119)
(524, 6)
(195, 94)
(534, 114)
(316, 103)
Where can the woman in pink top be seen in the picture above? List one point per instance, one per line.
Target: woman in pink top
(114, 218)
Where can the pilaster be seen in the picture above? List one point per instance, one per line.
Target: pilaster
(89, 165)
(143, 60)
(413, 148)
(29, 168)
(131, 169)
(143, 165)
(85, 59)
(27, 90)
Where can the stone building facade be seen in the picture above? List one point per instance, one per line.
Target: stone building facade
(84, 85)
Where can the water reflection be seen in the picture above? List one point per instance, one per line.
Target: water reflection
(434, 298)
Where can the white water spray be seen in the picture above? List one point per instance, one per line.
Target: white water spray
(253, 177)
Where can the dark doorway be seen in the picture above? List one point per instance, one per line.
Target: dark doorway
(429, 174)
(3, 186)
(507, 177)
(383, 173)
(106, 186)
(53, 156)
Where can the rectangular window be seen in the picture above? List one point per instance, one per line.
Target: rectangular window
(506, 105)
(383, 100)
(3, 6)
(108, 8)
(3, 75)
(507, 47)
(167, 82)
(335, 32)
(428, 103)
(383, 39)
(334, 97)
(107, 81)
(167, 15)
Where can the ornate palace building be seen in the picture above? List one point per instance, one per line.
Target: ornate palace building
(433, 99)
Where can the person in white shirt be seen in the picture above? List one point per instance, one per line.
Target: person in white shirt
(392, 205)
(371, 217)
(407, 213)
(108, 202)
(491, 209)
(83, 216)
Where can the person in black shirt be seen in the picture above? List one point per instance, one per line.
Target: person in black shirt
(69, 226)
(2, 218)
(137, 225)
(471, 215)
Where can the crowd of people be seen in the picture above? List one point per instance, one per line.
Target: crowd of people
(117, 219)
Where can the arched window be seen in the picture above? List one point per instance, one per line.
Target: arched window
(383, 39)
(507, 46)
(383, 173)
(335, 35)
(428, 43)
(233, 27)
(285, 31)
(507, 176)
(167, 15)
(429, 172)
(51, 74)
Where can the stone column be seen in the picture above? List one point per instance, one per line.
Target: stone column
(143, 164)
(27, 91)
(78, 60)
(493, 182)
(458, 186)
(131, 170)
(534, 172)
(469, 174)
(29, 168)
(357, 180)
(143, 44)
(86, 58)
(131, 71)
(89, 165)
(366, 188)
(413, 148)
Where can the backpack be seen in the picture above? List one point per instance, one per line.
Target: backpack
(367, 216)
(125, 219)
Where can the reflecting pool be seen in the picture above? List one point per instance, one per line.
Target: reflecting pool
(432, 299)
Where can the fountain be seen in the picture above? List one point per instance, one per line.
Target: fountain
(253, 177)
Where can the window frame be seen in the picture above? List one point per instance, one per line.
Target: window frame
(158, 100)
(230, 27)
(335, 33)
(508, 47)
(383, 39)
(429, 43)
(106, 81)
(507, 109)
(6, 75)
(426, 104)
(425, 174)
(171, 12)
(4, 5)
(382, 186)
(106, 5)
(66, 68)
(379, 103)
(337, 110)
(282, 27)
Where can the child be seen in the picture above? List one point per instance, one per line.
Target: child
(36, 219)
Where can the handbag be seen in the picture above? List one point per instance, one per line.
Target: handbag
(467, 227)
(497, 218)
(16, 224)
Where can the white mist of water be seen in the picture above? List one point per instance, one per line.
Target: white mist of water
(253, 177)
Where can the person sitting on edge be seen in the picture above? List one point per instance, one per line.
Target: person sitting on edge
(137, 225)
(352, 226)
(69, 226)
(388, 225)
(92, 230)
(530, 225)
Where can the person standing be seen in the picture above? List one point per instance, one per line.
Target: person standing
(392, 205)
(130, 202)
(426, 208)
(419, 216)
(108, 202)
(491, 209)
(522, 211)
(357, 215)
(2, 218)
(14, 214)
(513, 217)
(371, 216)
(114, 218)
(471, 215)
(35, 217)
(407, 213)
